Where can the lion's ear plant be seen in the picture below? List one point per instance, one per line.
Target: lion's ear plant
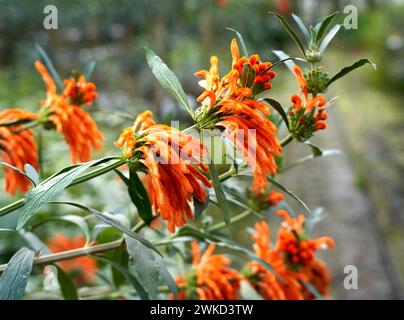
(176, 246)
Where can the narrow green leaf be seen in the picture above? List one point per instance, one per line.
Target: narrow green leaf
(316, 151)
(19, 171)
(15, 277)
(167, 79)
(34, 242)
(89, 70)
(322, 26)
(313, 290)
(67, 286)
(278, 107)
(36, 198)
(302, 27)
(199, 207)
(6, 230)
(330, 35)
(133, 279)
(240, 37)
(285, 58)
(31, 173)
(121, 257)
(290, 193)
(247, 76)
(220, 196)
(290, 30)
(324, 153)
(139, 196)
(111, 220)
(76, 220)
(50, 66)
(350, 68)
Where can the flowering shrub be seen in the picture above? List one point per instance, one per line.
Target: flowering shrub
(175, 247)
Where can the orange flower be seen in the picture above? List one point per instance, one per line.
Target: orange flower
(17, 148)
(292, 241)
(308, 115)
(171, 157)
(286, 280)
(244, 118)
(211, 279)
(299, 252)
(83, 268)
(63, 113)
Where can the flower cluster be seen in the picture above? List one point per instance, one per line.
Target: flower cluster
(261, 200)
(292, 259)
(232, 100)
(211, 277)
(306, 115)
(173, 162)
(17, 147)
(63, 113)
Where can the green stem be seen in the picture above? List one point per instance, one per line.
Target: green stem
(234, 219)
(286, 140)
(88, 176)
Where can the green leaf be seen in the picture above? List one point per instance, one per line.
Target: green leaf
(290, 193)
(322, 26)
(167, 79)
(278, 107)
(133, 279)
(247, 76)
(240, 37)
(138, 195)
(285, 58)
(199, 207)
(67, 286)
(145, 265)
(36, 198)
(220, 196)
(302, 27)
(15, 277)
(19, 171)
(15, 123)
(313, 290)
(314, 149)
(350, 68)
(111, 220)
(89, 70)
(121, 257)
(31, 173)
(330, 35)
(49, 65)
(324, 153)
(290, 30)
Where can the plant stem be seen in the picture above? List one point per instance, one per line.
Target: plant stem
(236, 218)
(69, 254)
(286, 140)
(85, 177)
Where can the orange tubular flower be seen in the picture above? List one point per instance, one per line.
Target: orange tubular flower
(211, 279)
(299, 252)
(306, 115)
(17, 148)
(82, 269)
(169, 156)
(286, 283)
(232, 100)
(63, 112)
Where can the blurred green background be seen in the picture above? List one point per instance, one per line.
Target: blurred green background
(362, 193)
